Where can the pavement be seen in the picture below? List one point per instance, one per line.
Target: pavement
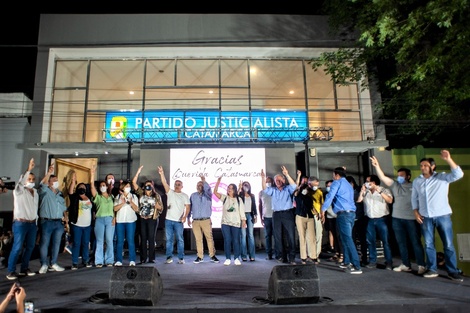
(214, 287)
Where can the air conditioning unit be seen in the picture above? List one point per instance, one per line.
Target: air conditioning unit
(463, 242)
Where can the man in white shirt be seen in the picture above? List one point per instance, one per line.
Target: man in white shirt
(376, 200)
(178, 208)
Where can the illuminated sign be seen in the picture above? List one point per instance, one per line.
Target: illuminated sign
(206, 125)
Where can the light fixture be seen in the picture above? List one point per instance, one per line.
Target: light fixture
(131, 92)
(341, 151)
(76, 153)
(106, 152)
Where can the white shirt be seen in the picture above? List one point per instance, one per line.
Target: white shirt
(126, 214)
(375, 205)
(25, 204)
(176, 202)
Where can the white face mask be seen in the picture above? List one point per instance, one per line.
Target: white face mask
(55, 185)
(30, 185)
(103, 189)
(5, 241)
(304, 192)
(127, 189)
(328, 189)
(110, 181)
(315, 188)
(246, 189)
(268, 185)
(367, 185)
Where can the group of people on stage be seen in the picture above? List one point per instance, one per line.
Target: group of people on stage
(102, 218)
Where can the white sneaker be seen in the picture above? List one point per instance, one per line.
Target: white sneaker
(181, 261)
(118, 263)
(132, 263)
(227, 262)
(402, 268)
(237, 262)
(43, 269)
(56, 267)
(169, 260)
(421, 270)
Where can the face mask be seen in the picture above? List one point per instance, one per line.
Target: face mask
(315, 188)
(328, 189)
(401, 179)
(81, 191)
(110, 181)
(148, 187)
(5, 241)
(246, 188)
(55, 185)
(127, 189)
(29, 185)
(103, 189)
(304, 192)
(268, 185)
(367, 185)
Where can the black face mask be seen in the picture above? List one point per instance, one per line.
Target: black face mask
(81, 191)
(148, 187)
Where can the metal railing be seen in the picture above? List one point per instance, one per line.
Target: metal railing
(186, 135)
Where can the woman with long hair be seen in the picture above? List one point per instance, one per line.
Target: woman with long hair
(251, 215)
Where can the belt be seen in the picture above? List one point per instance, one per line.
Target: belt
(25, 220)
(283, 211)
(201, 219)
(345, 212)
(51, 219)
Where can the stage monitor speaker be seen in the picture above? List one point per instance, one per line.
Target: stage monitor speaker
(138, 286)
(294, 284)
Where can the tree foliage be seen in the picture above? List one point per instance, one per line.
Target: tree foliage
(420, 50)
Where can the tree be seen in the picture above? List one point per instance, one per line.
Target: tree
(418, 52)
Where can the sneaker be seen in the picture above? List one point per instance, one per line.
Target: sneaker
(292, 262)
(198, 260)
(57, 268)
(118, 263)
(88, 264)
(237, 262)
(455, 277)
(131, 263)
(214, 259)
(109, 265)
(371, 265)
(343, 265)
(228, 261)
(402, 268)
(169, 260)
(68, 249)
(181, 261)
(43, 269)
(354, 270)
(12, 276)
(27, 272)
(388, 267)
(430, 274)
(74, 267)
(280, 260)
(269, 257)
(99, 265)
(421, 270)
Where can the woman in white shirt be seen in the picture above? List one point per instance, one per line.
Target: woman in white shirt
(233, 219)
(126, 205)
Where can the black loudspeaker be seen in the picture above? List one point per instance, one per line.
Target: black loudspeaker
(138, 286)
(294, 284)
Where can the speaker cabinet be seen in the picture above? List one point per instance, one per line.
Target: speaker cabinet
(137, 286)
(294, 284)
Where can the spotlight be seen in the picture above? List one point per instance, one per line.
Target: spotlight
(76, 153)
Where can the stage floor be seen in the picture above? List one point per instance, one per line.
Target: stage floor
(213, 287)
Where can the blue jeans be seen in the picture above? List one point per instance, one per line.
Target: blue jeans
(173, 228)
(345, 224)
(443, 224)
(284, 220)
(125, 231)
(104, 233)
(378, 225)
(407, 231)
(268, 234)
(251, 238)
(23, 234)
(231, 236)
(50, 231)
(81, 243)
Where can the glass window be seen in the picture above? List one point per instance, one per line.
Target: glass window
(70, 74)
(346, 126)
(320, 92)
(277, 85)
(347, 97)
(68, 116)
(116, 85)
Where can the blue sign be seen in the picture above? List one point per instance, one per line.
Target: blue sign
(206, 126)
